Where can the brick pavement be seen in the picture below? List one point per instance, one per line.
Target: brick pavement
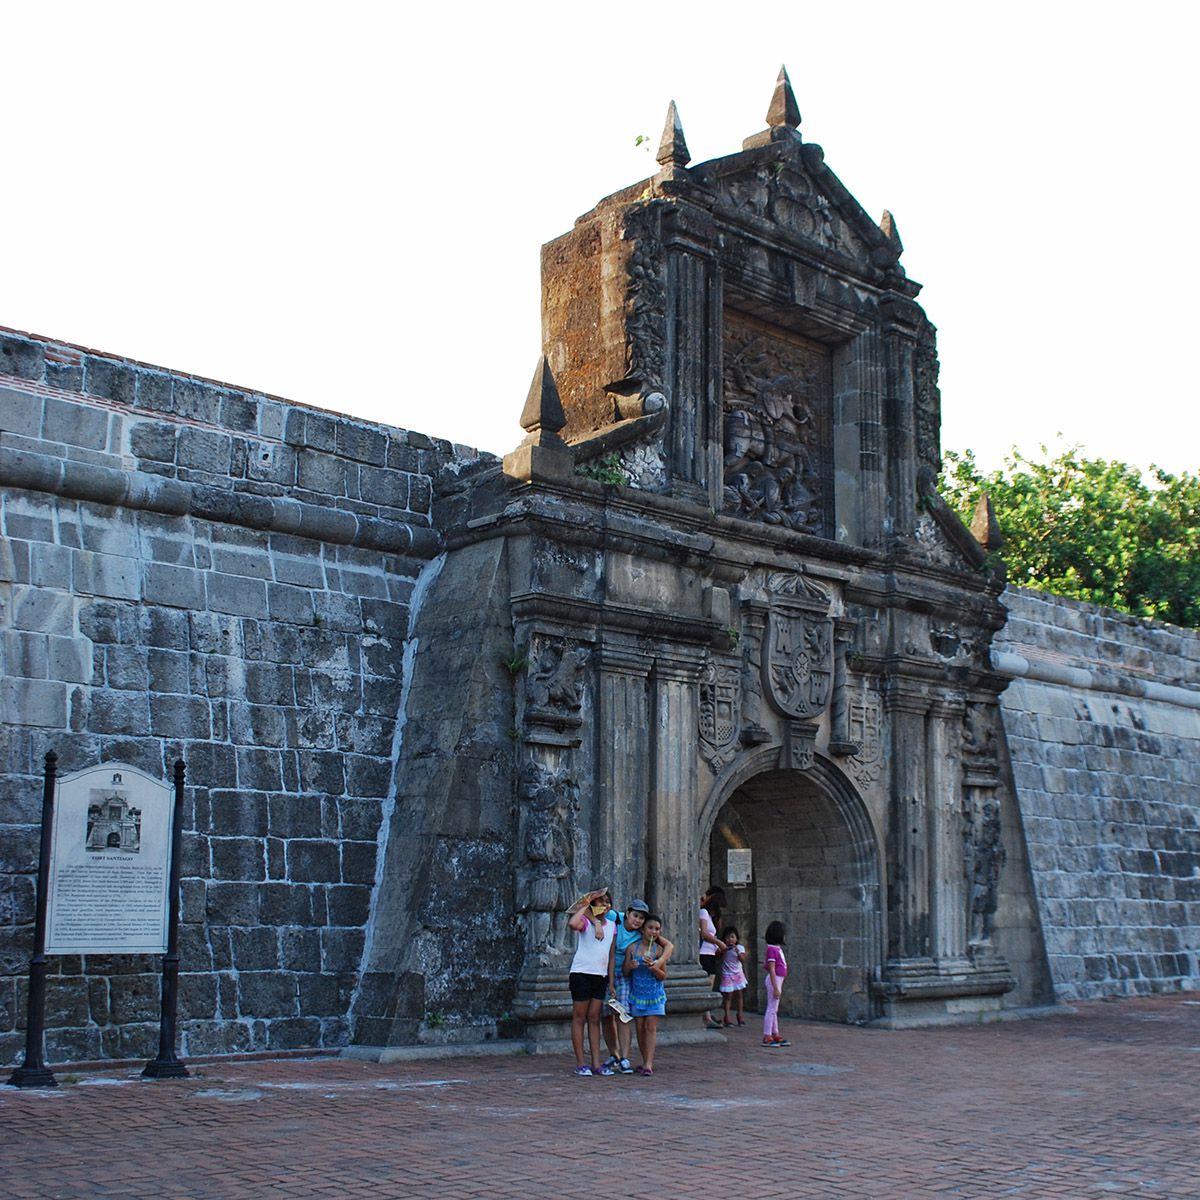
(1101, 1102)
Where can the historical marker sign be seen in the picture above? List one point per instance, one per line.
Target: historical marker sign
(110, 863)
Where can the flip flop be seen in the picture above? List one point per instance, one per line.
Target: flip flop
(645, 1072)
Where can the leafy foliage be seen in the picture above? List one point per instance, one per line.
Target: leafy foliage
(1091, 529)
(605, 470)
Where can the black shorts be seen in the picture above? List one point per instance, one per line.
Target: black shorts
(708, 963)
(587, 987)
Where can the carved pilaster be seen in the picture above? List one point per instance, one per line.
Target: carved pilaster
(908, 832)
(944, 801)
(623, 757)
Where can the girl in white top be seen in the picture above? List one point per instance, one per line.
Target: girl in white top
(591, 975)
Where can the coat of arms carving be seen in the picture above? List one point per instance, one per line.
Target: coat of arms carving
(720, 712)
(798, 661)
(865, 721)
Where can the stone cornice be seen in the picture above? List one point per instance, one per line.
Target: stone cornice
(173, 497)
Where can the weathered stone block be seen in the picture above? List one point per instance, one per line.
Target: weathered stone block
(24, 359)
(341, 949)
(197, 996)
(238, 596)
(180, 717)
(177, 587)
(300, 950)
(322, 771)
(287, 904)
(235, 903)
(295, 816)
(358, 862)
(294, 1033)
(237, 858)
(37, 702)
(313, 861)
(266, 994)
(348, 905)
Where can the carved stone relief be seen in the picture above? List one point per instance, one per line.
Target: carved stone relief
(777, 427)
(547, 803)
(720, 712)
(787, 198)
(646, 299)
(555, 684)
(928, 399)
(933, 542)
(797, 658)
(984, 858)
(979, 738)
(865, 724)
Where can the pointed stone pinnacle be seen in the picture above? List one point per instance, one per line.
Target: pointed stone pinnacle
(985, 529)
(888, 224)
(784, 111)
(672, 148)
(543, 411)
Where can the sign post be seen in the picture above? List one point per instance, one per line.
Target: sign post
(33, 1072)
(166, 1065)
(108, 883)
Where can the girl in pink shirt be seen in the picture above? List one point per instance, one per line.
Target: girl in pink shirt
(775, 966)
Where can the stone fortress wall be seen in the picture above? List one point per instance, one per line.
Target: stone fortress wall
(1102, 721)
(190, 570)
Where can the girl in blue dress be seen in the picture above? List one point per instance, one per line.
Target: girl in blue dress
(645, 964)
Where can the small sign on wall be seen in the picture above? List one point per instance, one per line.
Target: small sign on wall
(738, 867)
(109, 863)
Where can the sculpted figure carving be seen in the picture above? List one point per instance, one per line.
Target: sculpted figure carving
(772, 435)
(985, 858)
(979, 738)
(544, 888)
(557, 681)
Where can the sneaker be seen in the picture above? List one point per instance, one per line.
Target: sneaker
(782, 1041)
(770, 1043)
(625, 1067)
(584, 1070)
(611, 1060)
(603, 1069)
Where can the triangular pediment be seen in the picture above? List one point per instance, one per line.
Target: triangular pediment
(787, 187)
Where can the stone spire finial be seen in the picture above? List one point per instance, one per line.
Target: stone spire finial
(543, 416)
(985, 529)
(784, 111)
(888, 224)
(672, 148)
(543, 455)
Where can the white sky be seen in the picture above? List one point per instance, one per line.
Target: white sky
(343, 203)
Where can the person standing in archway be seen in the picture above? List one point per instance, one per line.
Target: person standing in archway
(711, 946)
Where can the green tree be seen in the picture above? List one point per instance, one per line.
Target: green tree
(1091, 529)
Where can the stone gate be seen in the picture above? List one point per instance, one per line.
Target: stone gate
(713, 601)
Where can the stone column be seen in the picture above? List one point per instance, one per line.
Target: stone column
(674, 882)
(908, 832)
(902, 317)
(623, 766)
(948, 906)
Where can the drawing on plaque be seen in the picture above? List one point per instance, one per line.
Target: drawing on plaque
(112, 822)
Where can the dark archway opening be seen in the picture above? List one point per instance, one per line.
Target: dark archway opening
(814, 869)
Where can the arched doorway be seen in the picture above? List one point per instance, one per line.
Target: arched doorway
(815, 868)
